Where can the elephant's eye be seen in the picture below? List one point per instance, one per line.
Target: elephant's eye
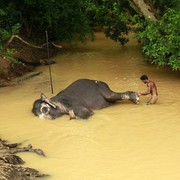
(45, 109)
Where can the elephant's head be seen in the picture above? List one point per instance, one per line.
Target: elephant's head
(132, 96)
(46, 108)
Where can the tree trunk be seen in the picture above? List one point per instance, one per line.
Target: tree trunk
(144, 8)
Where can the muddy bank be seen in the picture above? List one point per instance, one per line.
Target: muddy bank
(25, 60)
(9, 71)
(10, 163)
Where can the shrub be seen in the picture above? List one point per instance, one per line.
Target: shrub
(161, 39)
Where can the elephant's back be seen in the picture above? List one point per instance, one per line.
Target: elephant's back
(85, 91)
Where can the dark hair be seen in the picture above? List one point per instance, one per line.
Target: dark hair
(144, 77)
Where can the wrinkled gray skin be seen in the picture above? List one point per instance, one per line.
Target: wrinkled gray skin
(79, 100)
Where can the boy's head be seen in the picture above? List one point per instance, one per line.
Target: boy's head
(144, 78)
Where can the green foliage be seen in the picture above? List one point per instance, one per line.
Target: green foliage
(9, 25)
(9, 56)
(9, 21)
(64, 20)
(161, 39)
(112, 19)
(74, 21)
(173, 4)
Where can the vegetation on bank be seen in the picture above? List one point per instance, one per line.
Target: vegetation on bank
(160, 39)
(75, 21)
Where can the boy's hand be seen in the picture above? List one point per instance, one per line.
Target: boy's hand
(138, 93)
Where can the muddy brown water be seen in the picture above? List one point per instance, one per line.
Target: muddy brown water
(122, 142)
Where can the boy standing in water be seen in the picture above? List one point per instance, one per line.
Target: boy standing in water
(152, 89)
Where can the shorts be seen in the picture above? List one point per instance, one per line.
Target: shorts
(152, 100)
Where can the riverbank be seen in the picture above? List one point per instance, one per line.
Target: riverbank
(9, 71)
(22, 62)
(10, 164)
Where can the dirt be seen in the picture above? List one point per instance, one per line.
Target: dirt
(27, 58)
(9, 71)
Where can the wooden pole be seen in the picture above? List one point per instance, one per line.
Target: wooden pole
(50, 75)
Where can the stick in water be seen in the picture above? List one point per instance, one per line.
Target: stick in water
(50, 76)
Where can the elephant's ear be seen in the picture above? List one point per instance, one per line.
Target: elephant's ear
(48, 101)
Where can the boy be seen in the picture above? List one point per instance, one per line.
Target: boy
(152, 89)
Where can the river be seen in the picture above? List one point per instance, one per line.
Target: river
(121, 142)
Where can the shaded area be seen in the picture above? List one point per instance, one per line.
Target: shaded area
(10, 70)
(26, 59)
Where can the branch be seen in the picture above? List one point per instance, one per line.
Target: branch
(25, 42)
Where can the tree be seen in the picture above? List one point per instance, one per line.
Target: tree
(160, 37)
(112, 18)
(160, 40)
(9, 23)
(74, 21)
(146, 9)
(65, 20)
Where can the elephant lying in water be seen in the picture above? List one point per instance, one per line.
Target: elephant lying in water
(79, 100)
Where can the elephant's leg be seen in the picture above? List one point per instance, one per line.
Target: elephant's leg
(82, 112)
(112, 96)
(108, 94)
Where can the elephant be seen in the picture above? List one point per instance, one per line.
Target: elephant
(79, 100)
